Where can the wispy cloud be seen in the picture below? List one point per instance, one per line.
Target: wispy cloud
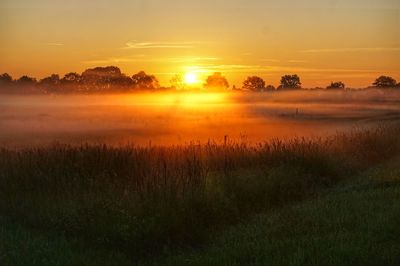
(360, 49)
(144, 58)
(53, 44)
(159, 45)
(121, 59)
(282, 69)
(191, 59)
(231, 68)
(235, 68)
(297, 61)
(270, 60)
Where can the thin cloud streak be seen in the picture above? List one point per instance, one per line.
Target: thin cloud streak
(270, 60)
(53, 44)
(191, 59)
(297, 61)
(234, 68)
(345, 50)
(142, 58)
(159, 45)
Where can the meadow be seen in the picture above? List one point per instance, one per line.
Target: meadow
(179, 118)
(295, 198)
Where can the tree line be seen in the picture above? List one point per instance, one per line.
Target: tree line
(111, 79)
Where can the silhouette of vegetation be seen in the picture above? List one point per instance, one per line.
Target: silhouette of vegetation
(145, 82)
(26, 81)
(110, 79)
(5, 79)
(177, 82)
(385, 82)
(216, 81)
(71, 78)
(336, 85)
(51, 83)
(254, 83)
(105, 78)
(143, 200)
(290, 82)
(270, 88)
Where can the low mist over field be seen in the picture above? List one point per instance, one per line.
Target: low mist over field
(178, 118)
(201, 132)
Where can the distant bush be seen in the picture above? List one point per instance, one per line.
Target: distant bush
(254, 83)
(216, 82)
(385, 82)
(290, 82)
(336, 85)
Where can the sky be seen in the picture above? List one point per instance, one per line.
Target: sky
(353, 41)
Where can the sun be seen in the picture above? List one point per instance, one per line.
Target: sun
(190, 78)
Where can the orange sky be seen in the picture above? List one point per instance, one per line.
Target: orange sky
(321, 40)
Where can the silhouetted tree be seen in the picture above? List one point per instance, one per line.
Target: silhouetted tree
(177, 82)
(270, 88)
(216, 81)
(107, 72)
(145, 82)
(254, 83)
(5, 80)
(290, 82)
(51, 83)
(52, 80)
(104, 79)
(26, 81)
(336, 85)
(385, 82)
(71, 78)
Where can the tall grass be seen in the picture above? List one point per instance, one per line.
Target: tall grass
(142, 199)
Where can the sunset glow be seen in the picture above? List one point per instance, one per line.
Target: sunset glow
(191, 78)
(354, 41)
(199, 132)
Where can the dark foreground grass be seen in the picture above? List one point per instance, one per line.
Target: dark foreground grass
(356, 223)
(128, 204)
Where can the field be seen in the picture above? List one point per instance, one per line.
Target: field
(210, 179)
(179, 118)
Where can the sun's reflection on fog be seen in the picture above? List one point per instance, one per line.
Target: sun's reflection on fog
(184, 100)
(201, 100)
(174, 118)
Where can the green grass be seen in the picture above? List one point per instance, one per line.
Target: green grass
(123, 205)
(21, 245)
(356, 223)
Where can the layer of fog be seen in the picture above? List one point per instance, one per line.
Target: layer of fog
(178, 118)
